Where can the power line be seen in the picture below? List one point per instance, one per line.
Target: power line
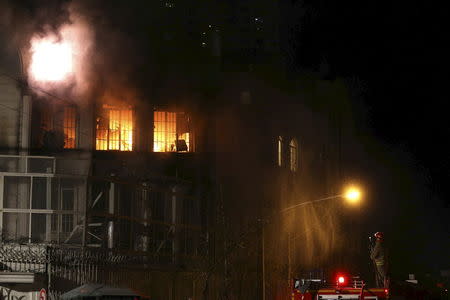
(25, 85)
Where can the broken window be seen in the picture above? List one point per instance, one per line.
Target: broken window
(171, 132)
(293, 151)
(115, 129)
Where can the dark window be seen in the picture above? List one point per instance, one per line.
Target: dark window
(39, 193)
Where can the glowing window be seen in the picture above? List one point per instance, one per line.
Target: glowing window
(59, 126)
(115, 129)
(280, 151)
(69, 127)
(171, 132)
(293, 151)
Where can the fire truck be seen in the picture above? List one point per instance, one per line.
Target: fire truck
(340, 288)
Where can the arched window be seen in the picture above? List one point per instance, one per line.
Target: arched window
(280, 151)
(293, 153)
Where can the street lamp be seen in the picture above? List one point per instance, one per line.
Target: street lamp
(352, 195)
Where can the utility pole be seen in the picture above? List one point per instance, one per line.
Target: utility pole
(111, 212)
(289, 258)
(263, 267)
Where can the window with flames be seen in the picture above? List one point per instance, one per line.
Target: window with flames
(115, 128)
(70, 127)
(59, 126)
(171, 132)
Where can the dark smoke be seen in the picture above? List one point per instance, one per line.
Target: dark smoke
(117, 49)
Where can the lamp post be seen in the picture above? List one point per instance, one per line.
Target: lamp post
(352, 195)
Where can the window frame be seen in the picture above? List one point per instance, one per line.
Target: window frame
(76, 128)
(293, 155)
(159, 131)
(53, 215)
(104, 113)
(52, 118)
(280, 151)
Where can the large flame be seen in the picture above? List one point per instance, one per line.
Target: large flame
(59, 60)
(51, 60)
(115, 129)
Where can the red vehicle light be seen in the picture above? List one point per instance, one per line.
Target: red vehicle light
(341, 280)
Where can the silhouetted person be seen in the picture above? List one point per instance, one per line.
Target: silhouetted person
(379, 256)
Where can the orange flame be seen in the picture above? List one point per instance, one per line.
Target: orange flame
(115, 129)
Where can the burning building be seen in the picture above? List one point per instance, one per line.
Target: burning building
(171, 198)
(105, 176)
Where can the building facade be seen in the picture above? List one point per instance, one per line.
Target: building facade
(173, 198)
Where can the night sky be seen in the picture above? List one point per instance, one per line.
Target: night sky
(400, 54)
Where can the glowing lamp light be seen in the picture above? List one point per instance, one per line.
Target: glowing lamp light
(51, 60)
(341, 280)
(352, 195)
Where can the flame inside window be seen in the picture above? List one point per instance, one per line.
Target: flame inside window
(60, 122)
(171, 133)
(115, 129)
(69, 127)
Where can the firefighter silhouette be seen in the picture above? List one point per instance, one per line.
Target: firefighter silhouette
(378, 254)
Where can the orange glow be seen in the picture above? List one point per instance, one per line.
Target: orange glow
(165, 131)
(69, 127)
(115, 129)
(185, 136)
(51, 60)
(352, 195)
(165, 135)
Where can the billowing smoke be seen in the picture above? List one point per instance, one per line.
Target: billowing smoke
(59, 60)
(72, 49)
